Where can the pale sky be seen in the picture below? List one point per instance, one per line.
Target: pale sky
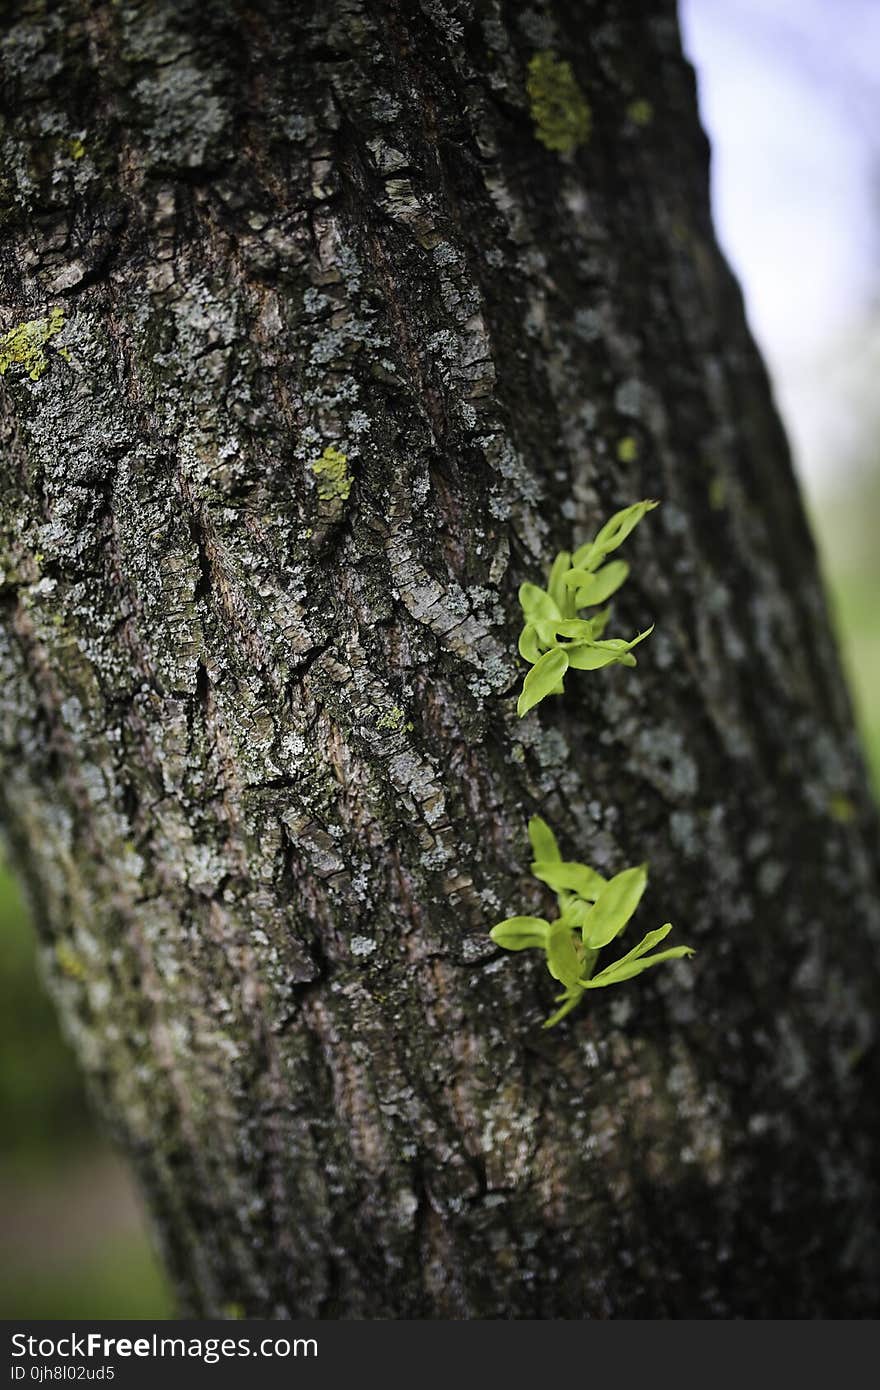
(790, 97)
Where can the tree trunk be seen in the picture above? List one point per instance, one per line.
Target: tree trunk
(262, 768)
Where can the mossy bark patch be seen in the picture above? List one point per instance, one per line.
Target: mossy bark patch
(24, 345)
(559, 108)
(334, 479)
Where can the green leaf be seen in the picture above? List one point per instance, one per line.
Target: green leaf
(588, 965)
(556, 580)
(618, 527)
(640, 637)
(570, 876)
(543, 678)
(537, 603)
(543, 841)
(528, 644)
(581, 558)
(578, 629)
(612, 534)
(572, 999)
(653, 938)
(563, 960)
(619, 644)
(574, 909)
(596, 588)
(626, 972)
(546, 630)
(590, 656)
(521, 933)
(614, 906)
(600, 622)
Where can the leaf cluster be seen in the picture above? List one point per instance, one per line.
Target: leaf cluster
(592, 911)
(555, 637)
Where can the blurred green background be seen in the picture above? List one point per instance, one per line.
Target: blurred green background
(73, 1242)
(847, 527)
(73, 1239)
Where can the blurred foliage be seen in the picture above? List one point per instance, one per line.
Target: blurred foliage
(846, 527)
(46, 1131)
(41, 1096)
(118, 1278)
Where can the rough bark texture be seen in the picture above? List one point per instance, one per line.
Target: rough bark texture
(262, 769)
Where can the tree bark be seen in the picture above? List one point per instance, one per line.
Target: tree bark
(262, 769)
